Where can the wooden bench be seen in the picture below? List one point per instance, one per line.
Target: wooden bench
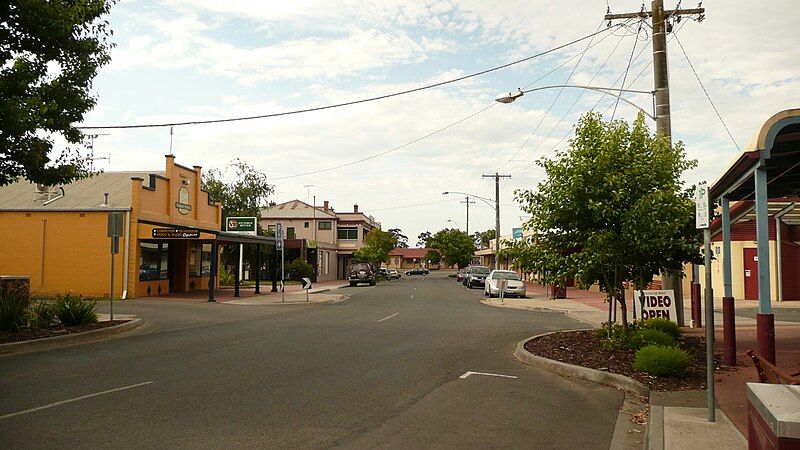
(770, 373)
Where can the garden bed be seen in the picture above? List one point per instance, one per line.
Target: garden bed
(585, 348)
(28, 334)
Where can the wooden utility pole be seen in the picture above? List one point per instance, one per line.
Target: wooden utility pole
(659, 19)
(496, 177)
(467, 201)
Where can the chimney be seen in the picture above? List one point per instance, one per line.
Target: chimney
(325, 207)
(355, 208)
(105, 199)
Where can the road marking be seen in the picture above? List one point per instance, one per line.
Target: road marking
(389, 317)
(487, 374)
(62, 402)
(412, 296)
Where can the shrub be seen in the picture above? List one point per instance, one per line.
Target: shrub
(651, 336)
(225, 277)
(74, 309)
(299, 269)
(669, 327)
(662, 361)
(13, 309)
(619, 339)
(42, 313)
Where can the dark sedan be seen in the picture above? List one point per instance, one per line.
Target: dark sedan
(417, 271)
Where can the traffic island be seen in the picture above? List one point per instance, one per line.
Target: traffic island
(28, 340)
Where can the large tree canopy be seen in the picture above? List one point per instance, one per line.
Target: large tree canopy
(456, 246)
(402, 239)
(377, 245)
(611, 209)
(49, 53)
(244, 195)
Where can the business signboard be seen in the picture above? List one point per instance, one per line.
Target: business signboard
(516, 233)
(649, 304)
(241, 225)
(175, 233)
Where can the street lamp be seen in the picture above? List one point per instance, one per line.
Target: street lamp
(513, 95)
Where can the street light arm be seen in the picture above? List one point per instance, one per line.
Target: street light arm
(510, 97)
(488, 201)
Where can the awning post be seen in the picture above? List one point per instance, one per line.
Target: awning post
(236, 272)
(765, 321)
(212, 278)
(258, 268)
(728, 305)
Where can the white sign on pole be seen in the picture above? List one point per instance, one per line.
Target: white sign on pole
(702, 211)
(655, 304)
(306, 283)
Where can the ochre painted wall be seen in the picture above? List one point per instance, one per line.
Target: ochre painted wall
(76, 251)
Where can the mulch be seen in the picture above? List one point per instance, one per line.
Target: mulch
(27, 334)
(585, 348)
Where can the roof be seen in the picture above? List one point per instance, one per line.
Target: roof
(778, 143)
(83, 194)
(410, 253)
(295, 209)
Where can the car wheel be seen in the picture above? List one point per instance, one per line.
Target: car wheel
(353, 284)
(372, 283)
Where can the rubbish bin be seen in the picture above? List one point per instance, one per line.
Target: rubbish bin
(772, 416)
(557, 291)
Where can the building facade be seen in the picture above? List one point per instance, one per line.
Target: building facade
(58, 236)
(334, 235)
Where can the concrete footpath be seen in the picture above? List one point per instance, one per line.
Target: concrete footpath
(678, 420)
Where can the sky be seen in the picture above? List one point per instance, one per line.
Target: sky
(179, 60)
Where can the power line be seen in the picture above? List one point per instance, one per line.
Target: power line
(353, 102)
(625, 76)
(706, 92)
(412, 205)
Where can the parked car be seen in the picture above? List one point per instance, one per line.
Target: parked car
(384, 272)
(417, 271)
(460, 275)
(477, 276)
(362, 273)
(514, 285)
(394, 274)
(466, 275)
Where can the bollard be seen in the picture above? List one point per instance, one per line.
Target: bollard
(729, 331)
(697, 320)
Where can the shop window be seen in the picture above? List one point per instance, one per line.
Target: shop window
(324, 225)
(153, 261)
(290, 233)
(347, 233)
(194, 258)
(205, 260)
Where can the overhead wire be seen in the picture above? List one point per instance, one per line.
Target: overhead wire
(625, 76)
(352, 102)
(730, 135)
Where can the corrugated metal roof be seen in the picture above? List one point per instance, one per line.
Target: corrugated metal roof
(295, 209)
(81, 194)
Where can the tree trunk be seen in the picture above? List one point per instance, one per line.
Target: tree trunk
(623, 307)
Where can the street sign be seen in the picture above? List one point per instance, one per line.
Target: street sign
(649, 304)
(702, 210)
(175, 233)
(516, 233)
(306, 283)
(279, 236)
(241, 225)
(115, 224)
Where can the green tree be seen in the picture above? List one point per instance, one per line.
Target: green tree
(422, 239)
(299, 269)
(49, 54)
(486, 237)
(456, 246)
(433, 256)
(243, 196)
(402, 239)
(377, 245)
(612, 208)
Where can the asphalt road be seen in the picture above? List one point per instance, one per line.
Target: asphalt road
(381, 369)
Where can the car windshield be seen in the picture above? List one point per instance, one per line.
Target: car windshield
(481, 270)
(505, 276)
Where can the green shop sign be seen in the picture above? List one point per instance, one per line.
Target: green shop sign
(241, 225)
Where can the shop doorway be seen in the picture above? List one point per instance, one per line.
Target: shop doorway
(178, 267)
(750, 273)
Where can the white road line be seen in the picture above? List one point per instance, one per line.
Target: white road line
(487, 374)
(96, 394)
(389, 317)
(412, 296)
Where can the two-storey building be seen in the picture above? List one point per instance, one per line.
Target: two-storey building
(335, 236)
